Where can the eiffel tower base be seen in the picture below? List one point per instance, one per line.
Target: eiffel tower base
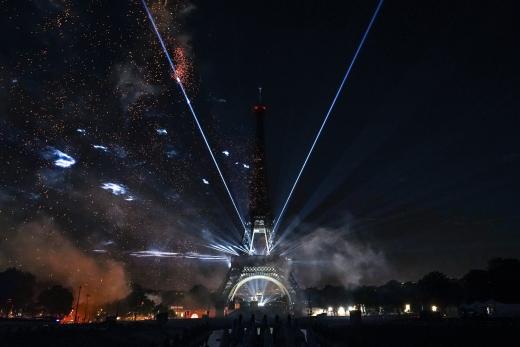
(246, 268)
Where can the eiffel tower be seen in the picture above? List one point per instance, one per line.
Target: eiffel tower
(259, 264)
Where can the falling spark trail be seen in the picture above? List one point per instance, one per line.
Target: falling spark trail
(361, 43)
(188, 102)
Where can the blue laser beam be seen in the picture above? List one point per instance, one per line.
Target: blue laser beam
(345, 77)
(193, 113)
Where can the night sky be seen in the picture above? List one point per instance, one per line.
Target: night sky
(416, 170)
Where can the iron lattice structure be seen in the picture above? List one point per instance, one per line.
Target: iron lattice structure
(260, 223)
(270, 268)
(259, 262)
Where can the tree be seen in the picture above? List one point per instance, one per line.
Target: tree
(504, 275)
(410, 293)
(200, 296)
(437, 288)
(138, 303)
(16, 289)
(392, 295)
(173, 297)
(313, 297)
(477, 285)
(161, 308)
(366, 295)
(57, 300)
(334, 295)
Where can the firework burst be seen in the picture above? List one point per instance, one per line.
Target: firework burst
(169, 18)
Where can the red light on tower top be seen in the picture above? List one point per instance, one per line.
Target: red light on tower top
(259, 107)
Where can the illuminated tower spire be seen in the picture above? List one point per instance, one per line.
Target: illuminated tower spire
(259, 264)
(258, 191)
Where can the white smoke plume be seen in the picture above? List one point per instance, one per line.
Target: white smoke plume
(327, 256)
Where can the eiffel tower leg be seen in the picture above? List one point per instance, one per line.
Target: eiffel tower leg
(273, 269)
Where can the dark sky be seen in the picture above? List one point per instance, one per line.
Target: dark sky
(417, 167)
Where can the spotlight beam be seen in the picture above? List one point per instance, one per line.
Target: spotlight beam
(327, 115)
(192, 110)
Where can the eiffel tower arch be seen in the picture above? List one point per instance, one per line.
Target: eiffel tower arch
(259, 264)
(272, 269)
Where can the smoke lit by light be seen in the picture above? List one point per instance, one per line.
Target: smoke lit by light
(162, 131)
(118, 190)
(100, 147)
(114, 188)
(59, 158)
(170, 152)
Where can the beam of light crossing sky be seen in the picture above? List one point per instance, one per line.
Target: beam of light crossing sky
(223, 248)
(193, 113)
(188, 255)
(327, 115)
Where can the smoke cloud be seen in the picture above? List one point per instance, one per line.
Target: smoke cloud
(327, 256)
(43, 250)
(131, 85)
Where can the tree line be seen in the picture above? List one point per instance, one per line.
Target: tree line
(499, 282)
(22, 296)
(20, 293)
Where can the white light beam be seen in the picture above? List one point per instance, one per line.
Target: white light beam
(188, 102)
(361, 43)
